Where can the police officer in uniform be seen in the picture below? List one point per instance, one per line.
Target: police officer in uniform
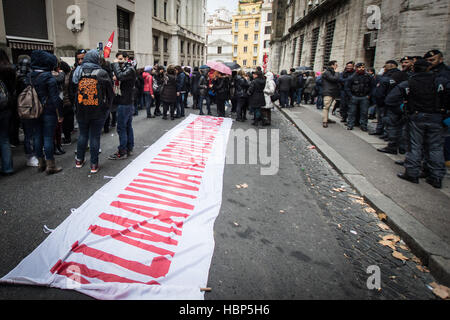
(358, 88)
(436, 58)
(424, 93)
(391, 78)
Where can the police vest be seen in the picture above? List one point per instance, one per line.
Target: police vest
(423, 95)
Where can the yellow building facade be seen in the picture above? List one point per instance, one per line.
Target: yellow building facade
(246, 34)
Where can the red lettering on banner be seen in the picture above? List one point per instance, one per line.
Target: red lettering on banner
(82, 269)
(175, 175)
(155, 198)
(179, 194)
(180, 165)
(163, 215)
(199, 160)
(191, 147)
(122, 235)
(166, 182)
(127, 223)
(158, 268)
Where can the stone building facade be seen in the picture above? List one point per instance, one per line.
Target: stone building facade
(266, 31)
(313, 32)
(219, 36)
(163, 31)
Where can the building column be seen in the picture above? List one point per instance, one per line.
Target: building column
(174, 50)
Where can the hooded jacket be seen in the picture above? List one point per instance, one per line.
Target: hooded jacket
(269, 90)
(126, 75)
(330, 83)
(285, 81)
(90, 63)
(256, 97)
(42, 64)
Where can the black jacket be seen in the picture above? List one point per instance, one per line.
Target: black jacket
(255, 93)
(42, 64)
(241, 86)
(127, 76)
(169, 89)
(284, 81)
(221, 88)
(330, 83)
(8, 76)
(195, 79)
(359, 85)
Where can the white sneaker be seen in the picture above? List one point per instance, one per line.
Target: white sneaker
(33, 162)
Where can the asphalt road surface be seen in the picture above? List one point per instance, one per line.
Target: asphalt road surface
(286, 236)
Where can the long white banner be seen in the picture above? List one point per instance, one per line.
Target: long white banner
(148, 233)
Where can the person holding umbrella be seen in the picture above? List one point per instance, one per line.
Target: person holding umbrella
(220, 88)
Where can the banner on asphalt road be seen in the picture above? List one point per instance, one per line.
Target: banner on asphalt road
(148, 233)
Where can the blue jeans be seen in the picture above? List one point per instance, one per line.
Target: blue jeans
(148, 101)
(180, 105)
(319, 102)
(284, 98)
(44, 132)
(208, 103)
(5, 147)
(125, 128)
(363, 103)
(90, 131)
(299, 95)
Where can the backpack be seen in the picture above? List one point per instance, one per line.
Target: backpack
(4, 96)
(90, 93)
(28, 104)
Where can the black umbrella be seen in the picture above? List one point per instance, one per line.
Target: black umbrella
(232, 65)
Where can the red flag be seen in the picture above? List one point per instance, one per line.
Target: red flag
(108, 47)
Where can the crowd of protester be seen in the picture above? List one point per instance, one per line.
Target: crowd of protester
(94, 96)
(411, 107)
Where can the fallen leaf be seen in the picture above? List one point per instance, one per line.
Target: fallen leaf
(403, 247)
(383, 226)
(416, 260)
(245, 186)
(236, 224)
(281, 211)
(338, 189)
(392, 237)
(441, 291)
(382, 216)
(423, 269)
(387, 243)
(399, 256)
(238, 186)
(354, 232)
(355, 197)
(369, 210)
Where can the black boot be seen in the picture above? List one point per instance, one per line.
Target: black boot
(436, 183)
(389, 150)
(407, 177)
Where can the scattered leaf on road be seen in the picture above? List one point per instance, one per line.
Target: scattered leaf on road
(423, 269)
(392, 237)
(441, 291)
(387, 243)
(399, 256)
(382, 216)
(383, 226)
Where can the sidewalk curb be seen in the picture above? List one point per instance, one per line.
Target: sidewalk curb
(424, 243)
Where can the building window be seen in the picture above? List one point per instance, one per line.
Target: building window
(235, 39)
(155, 8)
(236, 25)
(314, 42)
(182, 46)
(165, 11)
(219, 50)
(268, 30)
(166, 45)
(244, 62)
(155, 43)
(256, 37)
(235, 50)
(266, 44)
(256, 24)
(245, 37)
(123, 24)
(328, 41)
(255, 50)
(300, 49)
(246, 24)
(254, 63)
(269, 16)
(245, 49)
(15, 15)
